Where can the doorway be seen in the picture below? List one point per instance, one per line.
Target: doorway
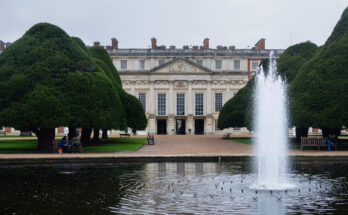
(161, 126)
(199, 126)
(180, 126)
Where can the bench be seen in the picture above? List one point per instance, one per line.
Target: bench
(315, 141)
(150, 139)
(226, 136)
(73, 146)
(3, 133)
(26, 134)
(125, 135)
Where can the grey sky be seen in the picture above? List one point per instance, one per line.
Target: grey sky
(178, 22)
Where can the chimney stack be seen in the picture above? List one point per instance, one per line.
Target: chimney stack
(260, 45)
(153, 43)
(114, 43)
(206, 43)
(2, 45)
(96, 43)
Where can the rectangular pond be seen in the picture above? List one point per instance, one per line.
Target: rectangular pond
(169, 188)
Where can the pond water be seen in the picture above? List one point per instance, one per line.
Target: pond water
(169, 188)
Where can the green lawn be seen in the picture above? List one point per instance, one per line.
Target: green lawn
(18, 146)
(109, 145)
(116, 145)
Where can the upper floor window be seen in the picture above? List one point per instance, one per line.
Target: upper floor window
(160, 62)
(161, 104)
(123, 64)
(141, 64)
(236, 64)
(218, 64)
(180, 104)
(218, 102)
(142, 98)
(254, 65)
(199, 104)
(200, 62)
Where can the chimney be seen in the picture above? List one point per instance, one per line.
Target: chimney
(96, 43)
(172, 47)
(7, 44)
(232, 47)
(195, 47)
(2, 45)
(153, 43)
(114, 43)
(206, 43)
(260, 45)
(185, 47)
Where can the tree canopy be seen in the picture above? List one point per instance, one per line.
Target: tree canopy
(134, 113)
(238, 111)
(49, 80)
(318, 94)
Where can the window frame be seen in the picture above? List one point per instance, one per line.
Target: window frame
(161, 104)
(124, 64)
(199, 107)
(180, 104)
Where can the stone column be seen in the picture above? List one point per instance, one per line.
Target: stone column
(133, 88)
(151, 126)
(152, 101)
(209, 127)
(190, 126)
(171, 98)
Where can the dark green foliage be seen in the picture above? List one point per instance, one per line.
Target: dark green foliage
(318, 94)
(238, 111)
(135, 116)
(234, 111)
(48, 79)
(134, 113)
(293, 58)
(101, 54)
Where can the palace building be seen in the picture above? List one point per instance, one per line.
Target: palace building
(183, 89)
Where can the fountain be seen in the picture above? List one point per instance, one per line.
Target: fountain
(271, 129)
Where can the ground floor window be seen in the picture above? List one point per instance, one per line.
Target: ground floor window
(142, 98)
(180, 104)
(161, 104)
(199, 104)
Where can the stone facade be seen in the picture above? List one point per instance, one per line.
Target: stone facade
(197, 78)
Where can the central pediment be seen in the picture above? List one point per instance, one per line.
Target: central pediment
(180, 65)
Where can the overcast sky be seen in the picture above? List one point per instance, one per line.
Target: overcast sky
(178, 22)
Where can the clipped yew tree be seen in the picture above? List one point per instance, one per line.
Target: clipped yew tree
(47, 80)
(238, 111)
(135, 117)
(318, 94)
(288, 66)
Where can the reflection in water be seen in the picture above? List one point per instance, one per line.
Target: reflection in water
(169, 188)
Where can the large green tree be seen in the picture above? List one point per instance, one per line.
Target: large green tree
(135, 117)
(318, 94)
(48, 80)
(238, 111)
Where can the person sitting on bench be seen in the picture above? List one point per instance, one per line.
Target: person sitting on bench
(63, 143)
(330, 141)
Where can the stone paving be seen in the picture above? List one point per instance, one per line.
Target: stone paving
(182, 145)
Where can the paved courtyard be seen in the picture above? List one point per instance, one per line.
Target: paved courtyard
(176, 145)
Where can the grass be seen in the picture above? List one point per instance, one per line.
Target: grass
(18, 146)
(109, 145)
(116, 145)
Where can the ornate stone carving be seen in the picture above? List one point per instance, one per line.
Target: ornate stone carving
(180, 66)
(199, 82)
(220, 82)
(180, 84)
(162, 82)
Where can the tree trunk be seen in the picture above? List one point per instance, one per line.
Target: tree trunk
(45, 137)
(105, 134)
(95, 134)
(301, 132)
(72, 133)
(331, 131)
(86, 136)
